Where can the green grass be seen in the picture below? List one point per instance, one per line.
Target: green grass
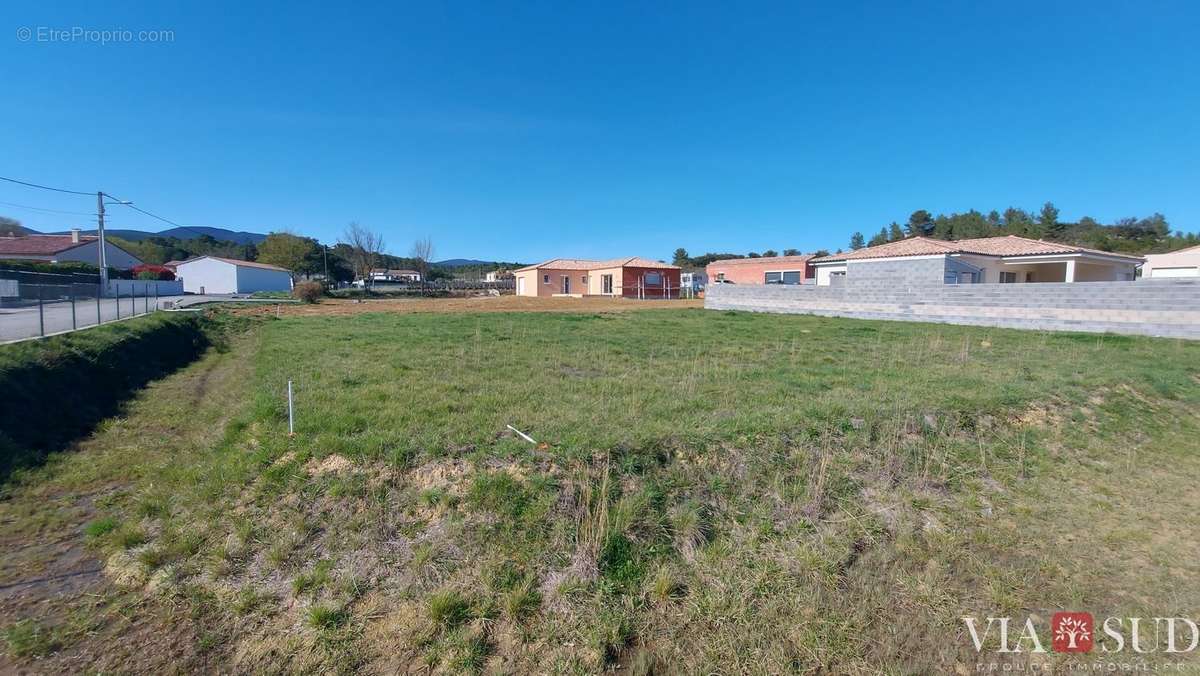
(28, 638)
(716, 492)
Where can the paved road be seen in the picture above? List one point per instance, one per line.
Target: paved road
(27, 322)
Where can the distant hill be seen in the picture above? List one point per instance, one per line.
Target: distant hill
(14, 229)
(462, 262)
(220, 234)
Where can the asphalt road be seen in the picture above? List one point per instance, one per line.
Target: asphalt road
(28, 322)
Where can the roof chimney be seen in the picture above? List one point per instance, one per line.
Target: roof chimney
(74, 235)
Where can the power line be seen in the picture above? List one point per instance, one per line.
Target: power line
(46, 187)
(119, 201)
(49, 211)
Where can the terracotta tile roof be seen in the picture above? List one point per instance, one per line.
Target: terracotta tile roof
(1010, 245)
(770, 260)
(245, 264)
(586, 264)
(40, 245)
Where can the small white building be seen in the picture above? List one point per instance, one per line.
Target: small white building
(213, 275)
(396, 276)
(1182, 263)
(65, 248)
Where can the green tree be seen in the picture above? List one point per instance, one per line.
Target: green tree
(791, 252)
(770, 253)
(919, 223)
(681, 258)
(895, 234)
(289, 251)
(856, 241)
(881, 238)
(1048, 220)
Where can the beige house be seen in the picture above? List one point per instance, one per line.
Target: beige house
(984, 260)
(1182, 263)
(631, 277)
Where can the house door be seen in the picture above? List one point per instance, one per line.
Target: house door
(606, 284)
(566, 283)
(520, 286)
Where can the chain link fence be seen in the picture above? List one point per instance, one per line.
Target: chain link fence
(34, 304)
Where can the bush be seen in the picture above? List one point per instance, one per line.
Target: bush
(309, 292)
(153, 272)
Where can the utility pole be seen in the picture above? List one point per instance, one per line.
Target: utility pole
(103, 258)
(325, 251)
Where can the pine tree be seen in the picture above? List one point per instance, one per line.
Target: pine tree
(856, 241)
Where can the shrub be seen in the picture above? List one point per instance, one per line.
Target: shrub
(308, 292)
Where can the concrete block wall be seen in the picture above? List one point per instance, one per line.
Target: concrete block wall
(900, 271)
(1154, 307)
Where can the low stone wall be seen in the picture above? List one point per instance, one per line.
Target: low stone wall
(1153, 307)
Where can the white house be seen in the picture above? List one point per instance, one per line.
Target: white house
(210, 274)
(398, 276)
(63, 248)
(984, 260)
(1182, 263)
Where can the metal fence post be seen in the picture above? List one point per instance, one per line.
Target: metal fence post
(73, 324)
(117, 298)
(146, 298)
(99, 319)
(132, 302)
(41, 313)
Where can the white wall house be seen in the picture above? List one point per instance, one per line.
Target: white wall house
(983, 260)
(213, 275)
(65, 248)
(1182, 263)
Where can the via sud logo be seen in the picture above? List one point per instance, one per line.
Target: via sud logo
(1076, 632)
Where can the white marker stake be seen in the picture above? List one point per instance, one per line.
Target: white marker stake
(521, 434)
(291, 416)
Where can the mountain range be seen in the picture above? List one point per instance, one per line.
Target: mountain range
(221, 234)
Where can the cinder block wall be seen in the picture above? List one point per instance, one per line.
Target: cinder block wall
(1150, 307)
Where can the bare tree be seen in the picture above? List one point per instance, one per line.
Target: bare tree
(366, 246)
(422, 251)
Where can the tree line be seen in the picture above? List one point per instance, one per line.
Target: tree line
(1151, 234)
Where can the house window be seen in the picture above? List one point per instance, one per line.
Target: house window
(720, 276)
(653, 279)
(791, 277)
(1008, 278)
(545, 279)
(773, 278)
(606, 284)
(584, 280)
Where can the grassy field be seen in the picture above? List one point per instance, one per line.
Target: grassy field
(709, 492)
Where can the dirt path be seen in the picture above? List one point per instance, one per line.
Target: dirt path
(61, 614)
(475, 304)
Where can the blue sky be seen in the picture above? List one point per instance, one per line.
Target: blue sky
(539, 129)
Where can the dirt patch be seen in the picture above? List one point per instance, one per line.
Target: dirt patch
(339, 307)
(333, 464)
